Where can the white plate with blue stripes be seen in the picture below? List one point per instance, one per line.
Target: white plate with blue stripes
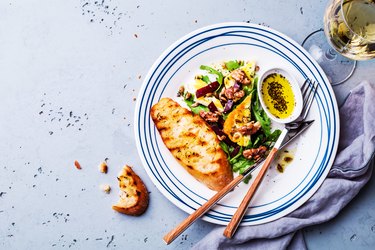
(314, 151)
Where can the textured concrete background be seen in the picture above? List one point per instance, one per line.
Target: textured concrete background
(69, 73)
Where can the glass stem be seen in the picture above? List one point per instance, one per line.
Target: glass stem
(331, 54)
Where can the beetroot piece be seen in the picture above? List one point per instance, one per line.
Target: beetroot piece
(235, 151)
(220, 132)
(210, 88)
(212, 107)
(217, 130)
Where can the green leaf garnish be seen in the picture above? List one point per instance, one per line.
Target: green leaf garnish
(232, 65)
(206, 79)
(219, 75)
(195, 109)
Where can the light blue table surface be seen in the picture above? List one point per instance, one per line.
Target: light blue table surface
(69, 73)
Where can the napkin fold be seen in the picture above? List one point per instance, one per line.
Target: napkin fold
(351, 170)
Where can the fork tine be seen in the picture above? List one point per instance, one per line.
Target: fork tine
(308, 98)
(304, 87)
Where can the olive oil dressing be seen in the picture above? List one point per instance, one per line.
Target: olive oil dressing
(278, 95)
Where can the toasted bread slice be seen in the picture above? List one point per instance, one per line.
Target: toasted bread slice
(193, 143)
(133, 195)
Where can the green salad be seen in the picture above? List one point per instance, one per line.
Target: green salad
(225, 96)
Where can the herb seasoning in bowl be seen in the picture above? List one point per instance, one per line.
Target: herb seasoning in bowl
(280, 95)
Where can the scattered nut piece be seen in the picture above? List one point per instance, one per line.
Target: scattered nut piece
(106, 188)
(221, 138)
(78, 166)
(255, 153)
(103, 167)
(209, 116)
(187, 96)
(236, 135)
(240, 76)
(181, 91)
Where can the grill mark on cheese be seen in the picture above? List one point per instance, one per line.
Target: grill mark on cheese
(192, 142)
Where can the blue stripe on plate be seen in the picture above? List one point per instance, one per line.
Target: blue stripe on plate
(162, 92)
(154, 84)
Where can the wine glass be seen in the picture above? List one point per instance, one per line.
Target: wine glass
(349, 28)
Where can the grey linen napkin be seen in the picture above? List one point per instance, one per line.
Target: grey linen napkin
(350, 172)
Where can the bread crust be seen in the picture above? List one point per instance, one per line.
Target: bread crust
(134, 197)
(193, 143)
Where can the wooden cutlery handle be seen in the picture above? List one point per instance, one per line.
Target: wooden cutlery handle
(237, 217)
(173, 234)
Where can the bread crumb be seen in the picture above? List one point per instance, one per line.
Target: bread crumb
(106, 188)
(78, 166)
(134, 196)
(103, 167)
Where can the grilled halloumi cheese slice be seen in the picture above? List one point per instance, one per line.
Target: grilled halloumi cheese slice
(193, 143)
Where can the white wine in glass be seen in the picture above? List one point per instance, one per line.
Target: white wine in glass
(349, 26)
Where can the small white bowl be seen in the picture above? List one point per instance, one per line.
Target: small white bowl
(296, 91)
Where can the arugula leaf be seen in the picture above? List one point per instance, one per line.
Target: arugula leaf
(247, 179)
(260, 115)
(196, 109)
(206, 79)
(236, 157)
(272, 138)
(240, 164)
(250, 88)
(232, 65)
(274, 135)
(258, 141)
(247, 89)
(219, 75)
(225, 148)
(264, 121)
